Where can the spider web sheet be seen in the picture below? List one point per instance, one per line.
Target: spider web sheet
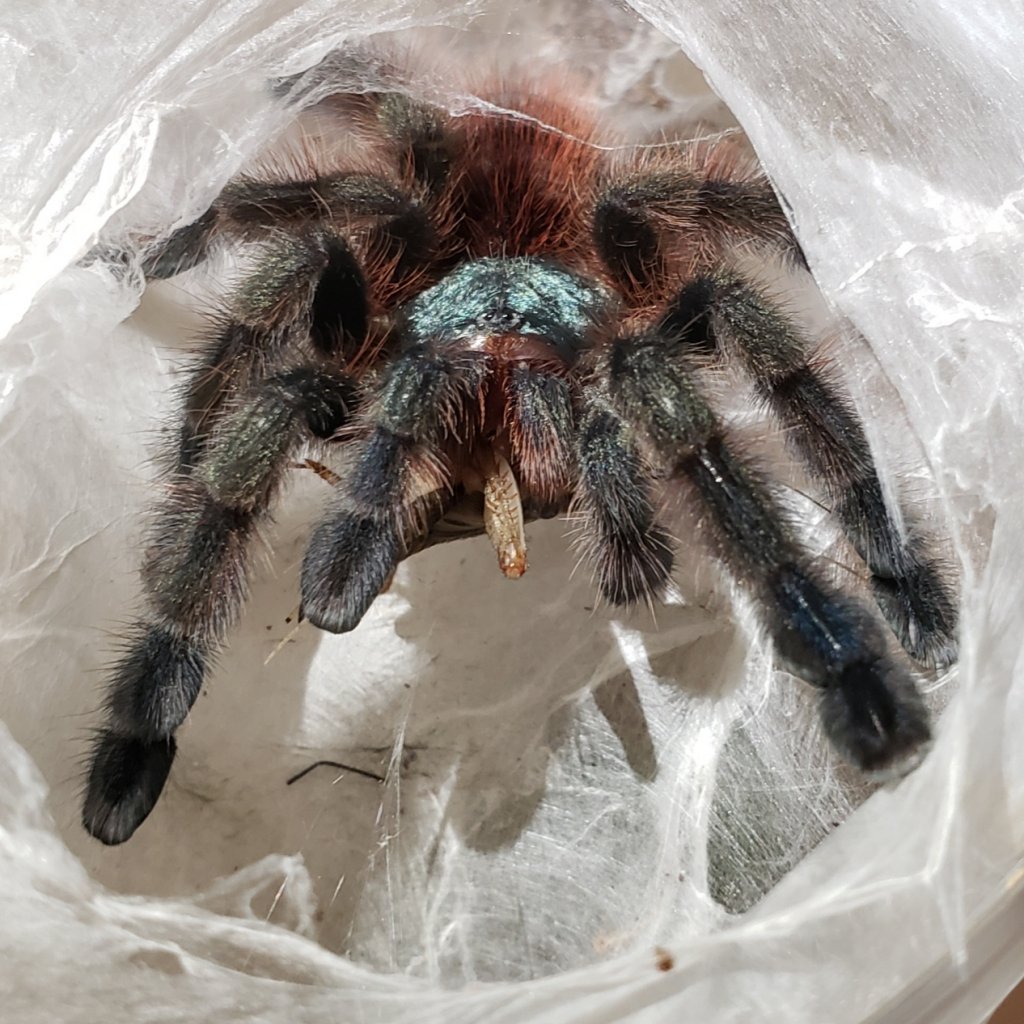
(573, 800)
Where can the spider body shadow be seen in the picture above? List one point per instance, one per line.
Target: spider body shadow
(489, 320)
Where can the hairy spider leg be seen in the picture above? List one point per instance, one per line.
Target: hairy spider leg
(630, 551)
(633, 220)
(710, 202)
(870, 707)
(422, 143)
(252, 210)
(305, 290)
(418, 135)
(721, 309)
(399, 482)
(195, 566)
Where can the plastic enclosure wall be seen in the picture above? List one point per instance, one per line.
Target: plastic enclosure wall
(575, 801)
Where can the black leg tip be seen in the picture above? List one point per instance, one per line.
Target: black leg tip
(125, 781)
(182, 250)
(636, 573)
(876, 719)
(921, 611)
(348, 562)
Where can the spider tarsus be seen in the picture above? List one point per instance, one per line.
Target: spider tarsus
(875, 718)
(625, 579)
(922, 612)
(913, 590)
(870, 707)
(349, 560)
(125, 780)
(181, 250)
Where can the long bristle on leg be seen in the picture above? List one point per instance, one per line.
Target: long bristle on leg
(871, 709)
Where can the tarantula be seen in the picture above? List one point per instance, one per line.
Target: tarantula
(489, 317)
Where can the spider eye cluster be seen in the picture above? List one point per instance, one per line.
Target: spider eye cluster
(518, 295)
